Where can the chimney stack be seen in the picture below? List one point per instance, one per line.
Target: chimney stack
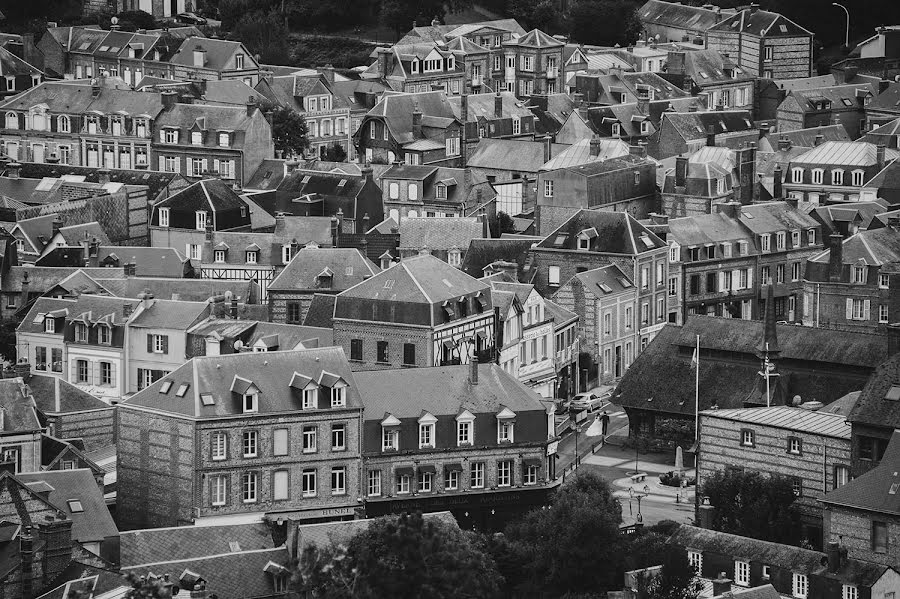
(251, 106)
(328, 73)
(834, 556)
(26, 552)
(103, 176)
(777, 190)
(498, 105)
(547, 148)
(710, 136)
(879, 156)
(820, 139)
(595, 145)
(56, 224)
(169, 99)
(130, 269)
(835, 257)
(473, 370)
(233, 309)
(721, 585)
(13, 170)
(681, 167)
(639, 150)
(416, 122)
(146, 299)
(784, 144)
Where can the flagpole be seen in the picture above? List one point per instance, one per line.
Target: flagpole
(697, 394)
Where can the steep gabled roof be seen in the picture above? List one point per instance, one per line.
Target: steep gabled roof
(760, 22)
(675, 14)
(397, 111)
(535, 39)
(845, 153)
(436, 233)
(347, 266)
(696, 125)
(218, 52)
(190, 542)
(617, 233)
(209, 194)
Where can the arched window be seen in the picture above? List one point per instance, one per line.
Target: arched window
(63, 124)
(38, 121)
(12, 120)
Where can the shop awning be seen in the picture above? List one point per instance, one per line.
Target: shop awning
(404, 471)
(427, 468)
(453, 467)
(537, 462)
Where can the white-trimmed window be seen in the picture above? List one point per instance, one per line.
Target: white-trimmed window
(390, 439)
(451, 479)
(219, 442)
(163, 217)
(882, 313)
(859, 274)
(837, 177)
(201, 220)
(767, 53)
(310, 398)
(800, 585)
(308, 483)
(695, 559)
(516, 125)
(857, 178)
(476, 475)
(504, 473)
(219, 490)
(817, 176)
(465, 425)
(338, 396)
(674, 253)
(250, 402)
(849, 591)
(747, 438)
(454, 257)
(780, 240)
(795, 239)
(251, 257)
(553, 276)
(373, 483)
(884, 281)
(249, 487)
(63, 124)
(81, 332)
(857, 309)
(338, 437)
(797, 174)
(766, 242)
(426, 431)
(219, 256)
(505, 431)
(224, 140)
(531, 472)
(811, 237)
(196, 138)
(310, 438)
(338, 480)
(742, 573)
(12, 120)
(426, 482)
(250, 443)
(548, 189)
(616, 129)
(403, 484)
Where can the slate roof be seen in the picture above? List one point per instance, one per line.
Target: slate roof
(156, 181)
(320, 312)
(878, 490)
(674, 14)
(347, 266)
(97, 305)
(401, 392)
(708, 67)
(76, 97)
(92, 581)
(580, 153)
(510, 154)
(94, 523)
(169, 314)
(609, 276)
(208, 194)
(216, 118)
(769, 217)
(790, 418)
(439, 233)
(155, 545)
(73, 234)
(838, 95)
(888, 100)
(149, 261)
(694, 125)
(874, 247)
(872, 407)
(482, 106)
(483, 252)
(191, 290)
(550, 111)
(43, 278)
(535, 39)
(761, 592)
(218, 52)
(18, 406)
(284, 337)
(787, 557)
(52, 395)
(756, 21)
(845, 153)
(270, 372)
(617, 233)
(229, 576)
(807, 137)
(397, 109)
(10, 64)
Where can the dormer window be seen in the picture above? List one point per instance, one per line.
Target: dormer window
(506, 420)
(310, 398)
(251, 256)
(250, 402)
(797, 174)
(645, 127)
(339, 396)
(238, 61)
(720, 186)
(163, 217)
(674, 253)
(81, 332)
(766, 242)
(817, 176)
(386, 260)
(584, 243)
(859, 273)
(837, 177)
(12, 120)
(811, 237)
(63, 124)
(414, 66)
(780, 240)
(104, 334)
(426, 431)
(616, 130)
(224, 140)
(454, 257)
(465, 428)
(201, 220)
(249, 394)
(49, 324)
(196, 138)
(219, 256)
(857, 177)
(390, 433)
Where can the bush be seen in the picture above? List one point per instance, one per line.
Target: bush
(673, 479)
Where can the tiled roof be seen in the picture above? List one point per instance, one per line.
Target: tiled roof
(535, 39)
(888, 100)
(483, 252)
(190, 542)
(694, 125)
(156, 181)
(397, 110)
(439, 233)
(791, 418)
(769, 217)
(511, 154)
(675, 14)
(149, 261)
(840, 96)
(43, 278)
(399, 392)
(228, 576)
(93, 522)
(617, 233)
(580, 153)
(878, 490)
(756, 21)
(169, 314)
(844, 153)
(321, 311)
(208, 194)
(707, 228)
(18, 407)
(873, 407)
(270, 372)
(609, 276)
(482, 106)
(874, 247)
(347, 267)
(218, 52)
(786, 557)
(52, 395)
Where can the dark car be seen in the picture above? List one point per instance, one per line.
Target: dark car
(190, 19)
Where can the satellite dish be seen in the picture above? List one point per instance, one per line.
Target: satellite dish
(238, 345)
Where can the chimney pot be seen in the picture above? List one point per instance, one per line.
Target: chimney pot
(835, 257)
(473, 370)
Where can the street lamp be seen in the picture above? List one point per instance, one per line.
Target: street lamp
(847, 34)
(639, 495)
(573, 414)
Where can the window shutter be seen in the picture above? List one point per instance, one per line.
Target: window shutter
(165, 344)
(176, 136)
(849, 314)
(205, 165)
(749, 278)
(162, 139)
(112, 373)
(227, 489)
(722, 282)
(867, 305)
(149, 343)
(736, 279)
(216, 165)
(162, 163)
(74, 372)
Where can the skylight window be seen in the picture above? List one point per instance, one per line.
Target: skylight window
(84, 46)
(104, 48)
(893, 393)
(182, 390)
(624, 282)
(389, 284)
(75, 506)
(207, 399)
(305, 180)
(606, 288)
(704, 75)
(164, 388)
(846, 102)
(39, 318)
(894, 487)
(783, 28)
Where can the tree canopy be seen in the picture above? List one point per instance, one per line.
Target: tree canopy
(289, 131)
(604, 22)
(754, 505)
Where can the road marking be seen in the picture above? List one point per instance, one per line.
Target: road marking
(616, 414)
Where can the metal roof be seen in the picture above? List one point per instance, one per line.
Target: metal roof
(790, 418)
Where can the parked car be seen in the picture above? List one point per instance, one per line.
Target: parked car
(190, 19)
(586, 401)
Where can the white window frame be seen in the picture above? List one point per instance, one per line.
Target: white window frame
(390, 439)
(797, 174)
(695, 559)
(310, 438)
(742, 573)
(505, 431)
(309, 482)
(250, 487)
(201, 219)
(219, 445)
(250, 444)
(504, 473)
(220, 490)
(799, 585)
(857, 178)
(338, 480)
(373, 483)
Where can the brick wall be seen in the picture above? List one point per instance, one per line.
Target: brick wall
(854, 528)
(278, 302)
(113, 211)
(155, 470)
(569, 263)
(395, 335)
(96, 427)
(676, 205)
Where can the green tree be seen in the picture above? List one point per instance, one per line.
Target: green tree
(8, 340)
(400, 14)
(573, 545)
(335, 153)
(401, 556)
(289, 131)
(676, 580)
(265, 35)
(131, 20)
(604, 22)
(752, 504)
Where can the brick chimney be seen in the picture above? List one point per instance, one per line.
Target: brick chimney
(833, 551)
(26, 552)
(639, 150)
(169, 99)
(384, 61)
(498, 105)
(464, 108)
(127, 310)
(328, 72)
(681, 167)
(251, 105)
(13, 170)
(893, 335)
(777, 180)
(879, 157)
(595, 145)
(784, 144)
(721, 585)
(729, 209)
(710, 136)
(820, 139)
(473, 370)
(103, 176)
(416, 121)
(835, 257)
(675, 62)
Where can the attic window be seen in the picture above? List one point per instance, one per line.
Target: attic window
(624, 282)
(305, 180)
(704, 75)
(75, 506)
(164, 388)
(207, 399)
(606, 288)
(182, 390)
(846, 102)
(783, 28)
(342, 183)
(647, 241)
(893, 393)
(894, 488)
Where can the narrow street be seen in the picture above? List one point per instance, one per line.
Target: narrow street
(615, 463)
